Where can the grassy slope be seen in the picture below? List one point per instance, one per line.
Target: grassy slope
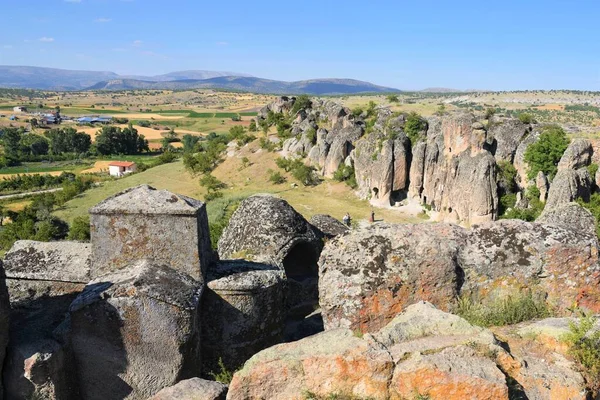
(328, 198)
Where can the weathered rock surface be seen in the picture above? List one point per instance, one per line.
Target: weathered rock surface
(44, 278)
(282, 104)
(340, 145)
(329, 226)
(136, 331)
(422, 351)
(508, 256)
(458, 177)
(267, 229)
(577, 155)
(4, 322)
(36, 269)
(507, 134)
(569, 185)
(193, 389)
(145, 223)
(382, 161)
(570, 216)
(541, 182)
(519, 159)
(369, 275)
(242, 312)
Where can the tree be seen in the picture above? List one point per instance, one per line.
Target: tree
(11, 140)
(392, 98)
(414, 127)
(302, 103)
(545, 154)
(68, 140)
(441, 110)
(213, 187)
(189, 142)
(80, 229)
(114, 140)
(252, 127)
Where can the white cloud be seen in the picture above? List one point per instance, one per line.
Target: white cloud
(222, 43)
(102, 20)
(137, 43)
(46, 39)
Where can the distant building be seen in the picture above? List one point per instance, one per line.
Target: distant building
(120, 168)
(19, 109)
(94, 120)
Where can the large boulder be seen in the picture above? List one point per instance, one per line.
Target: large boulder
(136, 331)
(507, 134)
(44, 278)
(511, 256)
(570, 216)
(569, 185)
(421, 352)
(340, 145)
(4, 322)
(193, 389)
(242, 312)
(368, 276)
(329, 226)
(577, 155)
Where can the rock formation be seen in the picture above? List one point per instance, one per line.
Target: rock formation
(4, 324)
(371, 274)
(193, 389)
(458, 176)
(422, 351)
(506, 135)
(145, 223)
(242, 312)
(268, 230)
(572, 181)
(136, 331)
(328, 226)
(43, 280)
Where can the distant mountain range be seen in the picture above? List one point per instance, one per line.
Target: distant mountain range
(60, 79)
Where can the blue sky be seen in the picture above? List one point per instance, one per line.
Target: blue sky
(501, 45)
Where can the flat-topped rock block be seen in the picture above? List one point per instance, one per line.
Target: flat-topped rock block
(243, 312)
(146, 223)
(136, 331)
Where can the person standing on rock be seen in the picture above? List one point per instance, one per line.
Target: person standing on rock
(372, 217)
(346, 220)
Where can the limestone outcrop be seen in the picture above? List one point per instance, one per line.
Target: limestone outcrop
(506, 135)
(455, 174)
(422, 351)
(126, 324)
(145, 223)
(371, 274)
(193, 389)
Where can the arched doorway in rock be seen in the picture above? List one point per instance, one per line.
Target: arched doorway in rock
(301, 262)
(375, 193)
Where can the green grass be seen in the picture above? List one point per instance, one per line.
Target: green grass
(102, 111)
(507, 311)
(45, 167)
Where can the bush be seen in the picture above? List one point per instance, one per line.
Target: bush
(507, 174)
(213, 187)
(252, 127)
(592, 169)
(414, 127)
(507, 311)
(392, 98)
(302, 102)
(526, 118)
(311, 135)
(224, 375)
(80, 229)
(584, 346)
(276, 177)
(300, 171)
(345, 173)
(266, 144)
(545, 154)
(167, 157)
(507, 201)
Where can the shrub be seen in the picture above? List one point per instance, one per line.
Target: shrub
(302, 103)
(584, 346)
(507, 201)
(345, 173)
(414, 127)
(224, 375)
(276, 177)
(592, 169)
(526, 118)
(392, 98)
(80, 229)
(507, 311)
(545, 154)
(252, 127)
(305, 174)
(266, 144)
(507, 174)
(311, 135)
(167, 157)
(213, 187)
(489, 113)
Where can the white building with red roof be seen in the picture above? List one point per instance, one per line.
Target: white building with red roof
(120, 168)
